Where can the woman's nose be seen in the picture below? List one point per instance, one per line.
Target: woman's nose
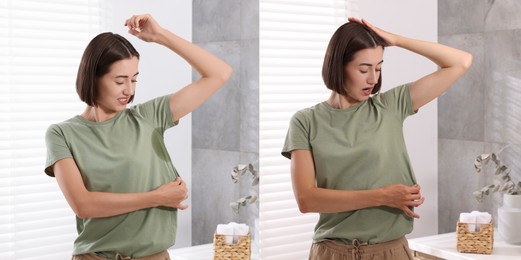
(372, 78)
(129, 90)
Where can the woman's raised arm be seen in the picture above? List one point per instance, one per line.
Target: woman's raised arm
(214, 72)
(453, 64)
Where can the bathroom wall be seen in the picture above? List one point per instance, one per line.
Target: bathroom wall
(225, 130)
(481, 113)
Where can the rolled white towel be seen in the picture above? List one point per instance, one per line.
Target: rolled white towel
(470, 219)
(240, 230)
(482, 217)
(227, 230)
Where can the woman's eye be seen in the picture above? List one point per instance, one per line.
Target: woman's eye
(120, 83)
(363, 72)
(134, 81)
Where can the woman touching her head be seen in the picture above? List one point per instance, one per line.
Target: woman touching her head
(111, 162)
(348, 156)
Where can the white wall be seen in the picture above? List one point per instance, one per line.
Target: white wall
(419, 20)
(162, 72)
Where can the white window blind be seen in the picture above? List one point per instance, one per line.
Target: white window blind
(293, 39)
(41, 43)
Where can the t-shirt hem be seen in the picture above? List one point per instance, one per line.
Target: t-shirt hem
(287, 152)
(171, 122)
(48, 167)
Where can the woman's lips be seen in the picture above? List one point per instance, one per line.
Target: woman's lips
(367, 91)
(123, 101)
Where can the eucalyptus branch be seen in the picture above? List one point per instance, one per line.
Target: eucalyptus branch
(507, 185)
(237, 172)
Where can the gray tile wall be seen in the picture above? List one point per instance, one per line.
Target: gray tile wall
(482, 112)
(225, 130)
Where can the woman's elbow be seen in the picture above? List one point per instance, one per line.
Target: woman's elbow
(82, 209)
(225, 74)
(466, 61)
(82, 214)
(304, 204)
(228, 71)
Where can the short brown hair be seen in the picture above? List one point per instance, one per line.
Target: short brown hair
(344, 44)
(102, 51)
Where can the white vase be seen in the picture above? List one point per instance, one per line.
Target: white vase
(509, 219)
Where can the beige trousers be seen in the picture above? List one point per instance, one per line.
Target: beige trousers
(159, 256)
(329, 250)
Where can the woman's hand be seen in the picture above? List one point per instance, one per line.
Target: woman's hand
(389, 38)
(172, 194)
(144, 27)
(402, 197)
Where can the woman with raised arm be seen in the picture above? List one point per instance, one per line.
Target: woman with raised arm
(348, 156)
(111, 162)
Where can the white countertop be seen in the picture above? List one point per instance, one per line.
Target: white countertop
(444, 246)
(202, 252)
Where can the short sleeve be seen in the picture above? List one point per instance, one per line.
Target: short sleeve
(297, 137)
(57, 148)
(156, 112)
(399, 101)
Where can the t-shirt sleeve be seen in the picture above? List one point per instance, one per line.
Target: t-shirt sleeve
(57, 148)
(399, 100)
(157, 112)
(297, 137)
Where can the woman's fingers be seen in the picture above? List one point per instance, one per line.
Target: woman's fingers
(144, 27)
(135, 21)
(403, 197)
(182, 206)
(389, 38)
(415, 202)
(410, 213)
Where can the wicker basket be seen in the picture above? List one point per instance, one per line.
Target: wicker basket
(239, 251)
(479, 242)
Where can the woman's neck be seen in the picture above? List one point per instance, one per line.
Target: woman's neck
(338, 101)
(96, 114)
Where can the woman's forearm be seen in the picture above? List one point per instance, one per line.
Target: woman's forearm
(443, 56)
(91, 204)
(311, 198)
(332, 201)
(103, 204)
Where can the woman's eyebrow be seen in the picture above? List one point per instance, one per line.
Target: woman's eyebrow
(125, 76)
(370, 65)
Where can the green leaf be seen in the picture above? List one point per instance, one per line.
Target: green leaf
(477, 166)
(235, 207)
(501, 169)
(486, 188)
(241, 167)
(255, 181)
(504, 187)
(495, 158)
(478, 195)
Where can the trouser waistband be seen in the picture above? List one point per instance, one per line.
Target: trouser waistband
(356, 249)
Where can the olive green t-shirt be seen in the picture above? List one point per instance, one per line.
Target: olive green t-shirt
(121, 155)
(358, 148)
